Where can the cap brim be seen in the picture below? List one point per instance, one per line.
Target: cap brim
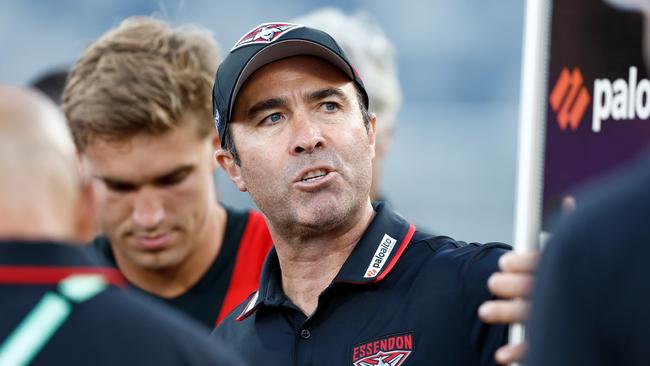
(288, 48)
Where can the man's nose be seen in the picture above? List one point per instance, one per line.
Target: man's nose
(307, 135)
(148, 209)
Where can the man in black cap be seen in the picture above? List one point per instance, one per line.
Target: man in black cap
(347, 283)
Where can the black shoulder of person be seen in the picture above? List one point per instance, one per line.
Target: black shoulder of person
(60, 308)
(591, 296)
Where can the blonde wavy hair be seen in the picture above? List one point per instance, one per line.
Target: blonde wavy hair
(141, 77)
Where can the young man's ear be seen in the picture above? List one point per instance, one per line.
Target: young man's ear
(227, 162)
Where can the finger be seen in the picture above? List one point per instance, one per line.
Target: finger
(509, 285)
(504, 311)
(511, 353)
(519, 262)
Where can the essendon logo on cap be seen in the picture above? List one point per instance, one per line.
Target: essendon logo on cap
(264, 33)
(569, 99)
(388, 351)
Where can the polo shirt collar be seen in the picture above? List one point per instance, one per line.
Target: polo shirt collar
(379, 249)
(372, 259)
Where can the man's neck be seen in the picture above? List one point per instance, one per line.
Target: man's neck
(25, 223)
(326, 252)
(174, 281)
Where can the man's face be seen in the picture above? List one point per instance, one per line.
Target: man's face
(153, 194)
(305, 153)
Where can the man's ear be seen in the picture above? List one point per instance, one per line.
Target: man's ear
(225, 159)
(372, 132)
(85, 225)
(215, 144)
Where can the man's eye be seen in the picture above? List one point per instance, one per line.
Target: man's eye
(330, 106)
(120, 187)
(272, 119)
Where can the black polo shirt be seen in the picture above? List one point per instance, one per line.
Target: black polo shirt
(234, 273)
(59, 308)
(403, 297)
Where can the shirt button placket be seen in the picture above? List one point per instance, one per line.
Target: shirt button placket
(304, 351)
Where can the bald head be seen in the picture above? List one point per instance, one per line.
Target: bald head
(39, 180)
(26, 115)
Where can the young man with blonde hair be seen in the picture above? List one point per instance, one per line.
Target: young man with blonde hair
(138, 104)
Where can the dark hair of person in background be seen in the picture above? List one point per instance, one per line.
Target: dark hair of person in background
(51, 83)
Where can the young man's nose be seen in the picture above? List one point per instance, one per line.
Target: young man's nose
(148, 210)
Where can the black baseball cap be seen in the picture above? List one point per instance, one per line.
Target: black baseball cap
(267, 43)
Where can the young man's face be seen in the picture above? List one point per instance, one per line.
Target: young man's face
(154, 194)
(305, 153)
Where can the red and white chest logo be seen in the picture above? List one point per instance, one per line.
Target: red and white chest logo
(264, 33)
(388, 351)
(393, 358)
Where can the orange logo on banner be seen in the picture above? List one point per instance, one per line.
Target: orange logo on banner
(569, 99)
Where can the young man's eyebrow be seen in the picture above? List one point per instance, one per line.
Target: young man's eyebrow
(114, 181)
(184, 169)
(326, 93)
(187, 168)
(266, 105)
